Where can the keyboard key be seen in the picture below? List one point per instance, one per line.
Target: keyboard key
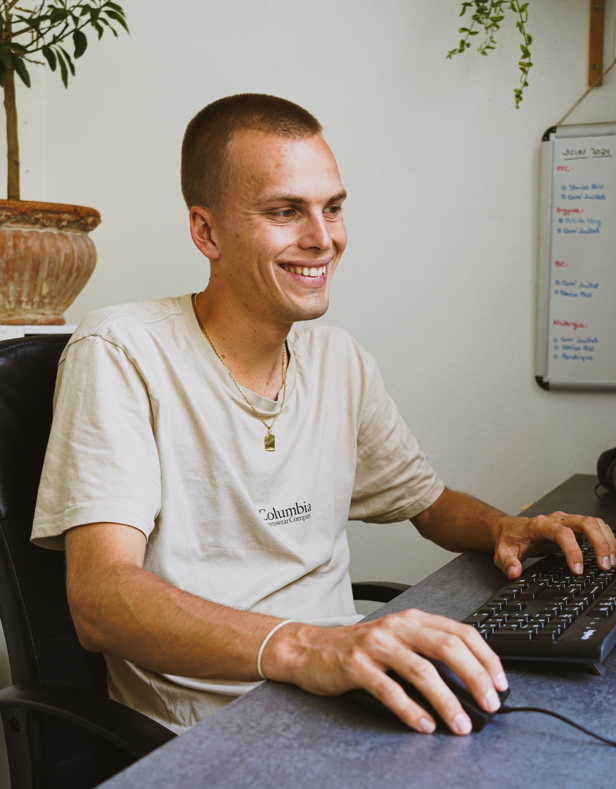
(476, 618)
(550, 594)
(533, 591)
(491, 608)
(554, 627)
(516, 606)
(546, 635)
(519, 619)
(575, 589)
(513, 593)
(523, 634)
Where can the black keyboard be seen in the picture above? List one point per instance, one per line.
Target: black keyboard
(550, 614)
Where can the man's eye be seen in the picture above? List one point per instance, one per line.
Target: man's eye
(286, 213)
(334, 210)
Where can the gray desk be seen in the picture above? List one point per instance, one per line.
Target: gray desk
(279, 736)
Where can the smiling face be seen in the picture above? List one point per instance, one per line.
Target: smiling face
(276, 241)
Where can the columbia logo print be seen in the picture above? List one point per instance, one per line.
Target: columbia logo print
(289, 514)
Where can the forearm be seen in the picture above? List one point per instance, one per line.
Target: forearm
(457, 521)
(124, 610)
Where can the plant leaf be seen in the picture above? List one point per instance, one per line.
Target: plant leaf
(120, 19)
(81, 43)
(63, 69)
(68, 60)
(58, 14)
(20, 68)
(110, 26)
(50, 57)
(32, 24)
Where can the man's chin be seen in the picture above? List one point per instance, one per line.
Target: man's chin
(308, 312)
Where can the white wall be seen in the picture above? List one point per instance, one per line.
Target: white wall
(438, 281)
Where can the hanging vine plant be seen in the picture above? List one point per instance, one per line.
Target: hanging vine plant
(488, 15)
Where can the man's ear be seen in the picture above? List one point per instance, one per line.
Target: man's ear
(201, 221)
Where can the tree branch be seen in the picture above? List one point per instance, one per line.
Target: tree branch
(8, 6)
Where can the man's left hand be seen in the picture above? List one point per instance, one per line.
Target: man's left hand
(457, 521)
(519, 538)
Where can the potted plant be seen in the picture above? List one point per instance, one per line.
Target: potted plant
(46, 255)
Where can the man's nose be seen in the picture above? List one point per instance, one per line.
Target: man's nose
(315, 233)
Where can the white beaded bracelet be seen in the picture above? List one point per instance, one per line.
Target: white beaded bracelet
(266, 639)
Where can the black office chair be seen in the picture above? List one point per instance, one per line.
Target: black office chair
(61, 729)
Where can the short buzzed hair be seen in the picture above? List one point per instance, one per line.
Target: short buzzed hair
(205, 150)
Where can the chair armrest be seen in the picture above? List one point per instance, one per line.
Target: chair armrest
(135, 733)
(379, 591)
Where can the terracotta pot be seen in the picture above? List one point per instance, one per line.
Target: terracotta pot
(46, 258)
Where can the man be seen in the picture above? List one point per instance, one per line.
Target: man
(206, 454)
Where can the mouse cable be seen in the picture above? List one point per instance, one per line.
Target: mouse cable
(504, 710)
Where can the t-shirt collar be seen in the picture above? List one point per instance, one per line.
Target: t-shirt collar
(263, 404)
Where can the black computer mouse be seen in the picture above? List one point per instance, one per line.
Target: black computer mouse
(479, 717)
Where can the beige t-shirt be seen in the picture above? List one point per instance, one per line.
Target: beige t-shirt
(150, 431)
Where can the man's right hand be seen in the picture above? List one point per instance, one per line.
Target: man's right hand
(328, 662)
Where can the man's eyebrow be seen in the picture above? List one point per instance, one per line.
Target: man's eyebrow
(290, 198)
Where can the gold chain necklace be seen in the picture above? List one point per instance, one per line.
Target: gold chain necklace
(270, 438)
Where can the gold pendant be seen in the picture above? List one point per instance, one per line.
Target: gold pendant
(270, 442)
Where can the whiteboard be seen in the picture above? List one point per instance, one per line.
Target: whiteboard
(576, 339)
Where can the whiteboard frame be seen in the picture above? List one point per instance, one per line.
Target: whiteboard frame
(545, 257)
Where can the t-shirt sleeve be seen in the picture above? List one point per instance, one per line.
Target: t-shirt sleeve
(393, 479)
(101, 463)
